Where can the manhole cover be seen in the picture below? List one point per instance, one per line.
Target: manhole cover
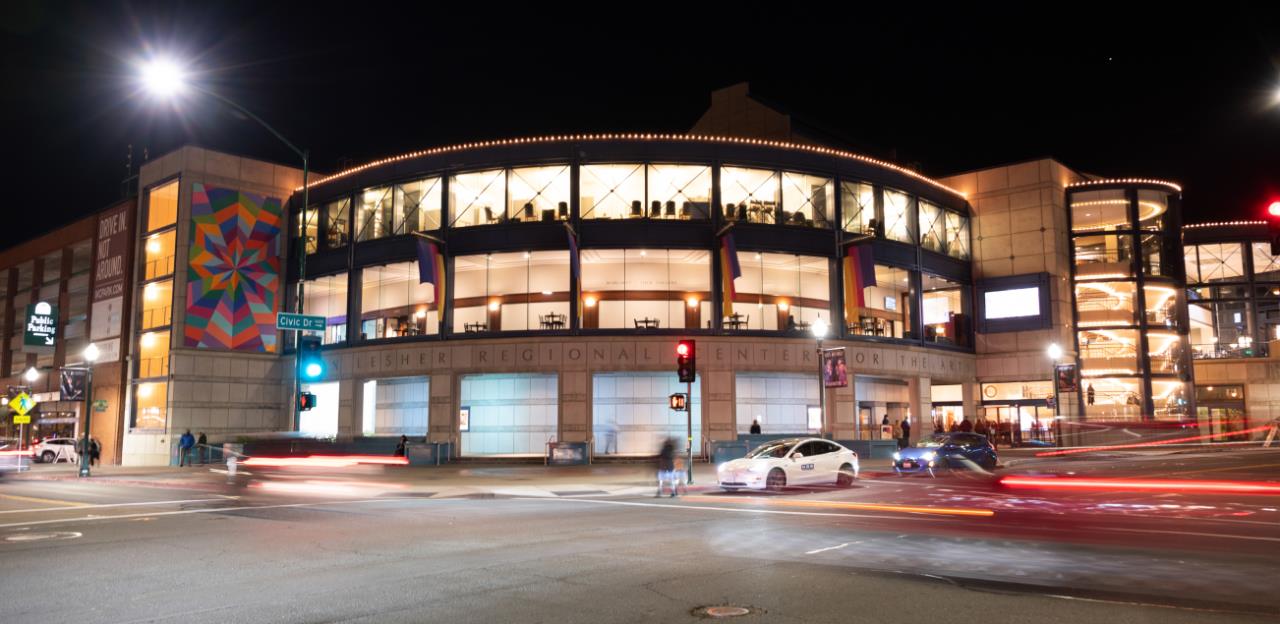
(35, 537)
(723, 611)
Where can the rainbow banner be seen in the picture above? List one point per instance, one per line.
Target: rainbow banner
(729, 270)
(859, 273)
(431, 268)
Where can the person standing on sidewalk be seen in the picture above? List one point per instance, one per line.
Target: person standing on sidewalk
(202, 444)
(184, 448)
(667, 466)
(905, 440)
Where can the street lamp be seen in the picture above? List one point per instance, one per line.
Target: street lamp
(1055, 353)
(31, 375)
(819, 329)
(165, 78)
(90, 356)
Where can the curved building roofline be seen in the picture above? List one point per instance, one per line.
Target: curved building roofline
(1125, 182)
(723, 140)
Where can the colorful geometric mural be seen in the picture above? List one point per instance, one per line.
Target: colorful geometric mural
(233, 270)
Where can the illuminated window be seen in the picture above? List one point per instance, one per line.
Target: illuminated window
(327, 297)
(159, 255)
(1152, 208)
(162, 206)
(1103, 256)
(1099, 211)
(393, 304)
(858, 201)
(417, 206)
(151, 405)
(376, 217)
(1113, 398)
(932, 227)
(477, 198)
(1216, 262)
(157, 304)
(897, 220)
(749, 195)
(957, 235)
(538, 194)
(646, 288)
(513, 291)
(684, 191)
(337, 216)
(1266, 267)
(887, 313)
(777, 291)
(309, 228)
(153, 354)
(807, 200)
(1105, 304)
(611, 191)
(945, 310)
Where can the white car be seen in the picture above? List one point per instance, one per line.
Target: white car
(792, 461)
(55, 450)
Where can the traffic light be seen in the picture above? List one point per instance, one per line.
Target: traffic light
(1273, 224)
(306, 401)
(686, 361)
(310, 364)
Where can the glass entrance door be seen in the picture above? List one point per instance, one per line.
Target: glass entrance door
(1223, 421)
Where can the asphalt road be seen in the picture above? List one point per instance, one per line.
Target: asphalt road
(316, 547)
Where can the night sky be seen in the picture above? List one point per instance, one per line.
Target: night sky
(1186, 97)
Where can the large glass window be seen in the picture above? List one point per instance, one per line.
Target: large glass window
(683, 190)
(1106, 352)
(646, 288)
(151, 399)
(1220, 329)
(327, 297)
(157, 304)
(807, 200)
(153, 354)
(539, 194)
(418, 206)
(957, 235)
(1162, 305)
(897, 217)
(945, 310)
(1099, 210)
(1103, 256)
(789, 292)
(1152, 206)
(511, 291)
(1153, 256)
(1215, 262)
(394, 305)
(1266, 267)
(376, 216)
(1169, 399)
(159, 255)
(858, 202)
(337, 216)
(162, 206)
(933, 232)
(309, 228)
(1103, 304)
(1164, 352)
(477, 198)
(1113, 398)
(888, 305)
(749, 195)
(611, 191)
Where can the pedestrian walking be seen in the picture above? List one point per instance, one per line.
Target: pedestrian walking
(95, 451)
(184, 448)
(667, 466)
(755, 427)
(965, 425)
(202, 448)
(905, 440)
(401, 445)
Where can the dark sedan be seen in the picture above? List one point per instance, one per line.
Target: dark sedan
(946, 450)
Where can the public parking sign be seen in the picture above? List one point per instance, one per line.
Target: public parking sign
(42, 326)
(287, 320)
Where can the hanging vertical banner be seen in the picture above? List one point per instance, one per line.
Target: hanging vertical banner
(859, 273)
(73, 382)
(730, 270)
(431, 269)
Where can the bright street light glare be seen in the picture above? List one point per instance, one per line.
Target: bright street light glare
(819, 328)
(1055, 352)
(32, 375)
(91, 353)
(162, 77)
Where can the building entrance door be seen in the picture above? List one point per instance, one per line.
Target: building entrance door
(1222, 421)
(1020, 423)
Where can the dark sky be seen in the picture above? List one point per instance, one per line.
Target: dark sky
(1183, 96)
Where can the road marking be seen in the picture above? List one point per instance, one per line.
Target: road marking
(35, 537)
(814, 552)
(1223, 469)
(726, 509)
(1197, 534)
(912, 509)
(50, 501)
(207, 510)
(105, 505)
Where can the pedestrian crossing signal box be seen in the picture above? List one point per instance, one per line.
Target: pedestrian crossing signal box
(306, 401)
(679, 402)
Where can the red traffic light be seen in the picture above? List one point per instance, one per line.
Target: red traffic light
(682, 348)
(1274, 209)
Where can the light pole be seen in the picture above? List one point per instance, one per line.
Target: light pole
(86, 457)
(1055, 353)
(166, 79)
(819, 329)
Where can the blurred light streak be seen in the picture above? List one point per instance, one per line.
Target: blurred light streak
(941, 511)
(1151, 485)
(1089, 449)
(325, 461)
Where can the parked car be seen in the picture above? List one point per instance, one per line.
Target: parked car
(791, 461)
(946, 451)
(55, 450)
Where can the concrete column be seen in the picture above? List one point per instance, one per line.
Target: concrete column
(349, 393)
(969, 394)
(920, 399)
(442, 417)
(843, 412)
(575, 412)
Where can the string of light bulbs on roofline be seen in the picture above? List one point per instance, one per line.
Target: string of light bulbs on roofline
(1125, 181)
(636, 137)
(1192, 226)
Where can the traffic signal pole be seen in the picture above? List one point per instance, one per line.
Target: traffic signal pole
(688, 412)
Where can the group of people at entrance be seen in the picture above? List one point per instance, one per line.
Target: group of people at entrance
(901, 430)
(190, 448)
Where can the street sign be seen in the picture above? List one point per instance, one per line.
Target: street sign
(304, 322)
(42, 326)
(22, 403)
(22, 420)
(100, 405)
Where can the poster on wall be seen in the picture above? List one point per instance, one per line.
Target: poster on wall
(110, 270)
(233, 270)
(464, 419)
(835, 371)
(1066, 378)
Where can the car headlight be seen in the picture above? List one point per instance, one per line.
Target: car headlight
(897, 456)
(928, 456)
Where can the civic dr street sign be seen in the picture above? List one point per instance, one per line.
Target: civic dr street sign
(288, 320)
(41, 326)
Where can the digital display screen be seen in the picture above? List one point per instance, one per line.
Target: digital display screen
(1012, 303)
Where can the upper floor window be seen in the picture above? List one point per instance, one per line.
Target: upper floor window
(309, 228)
(1099, 210)
(327, 297)
(897, 217)
(162, 206)
(858, 201)
(1152, 209)
(417, 206)
(512, 291)
(749, 195)
(337, 223)
(477, 198)
(646, 288)
(1215, 262)
(375, 218)
(1266, 267)
(632, 191)
(538, 194)
(781, 291)
(393, 304)
(158, 255)
(807, 200)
